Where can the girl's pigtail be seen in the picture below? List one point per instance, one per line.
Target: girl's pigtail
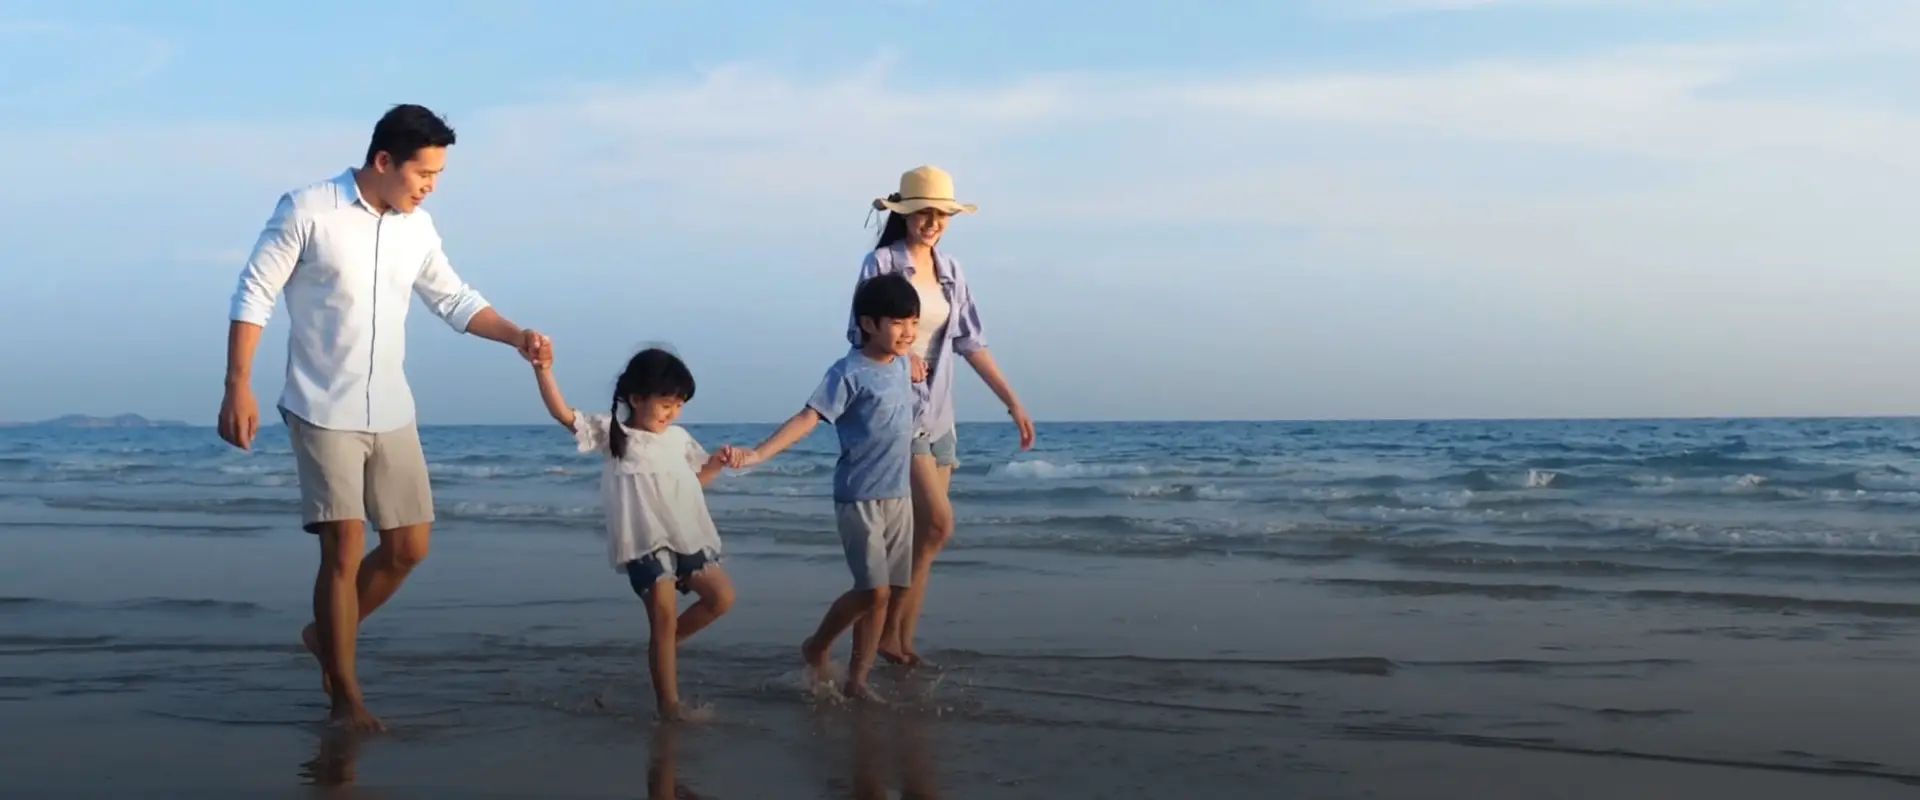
(616, 433)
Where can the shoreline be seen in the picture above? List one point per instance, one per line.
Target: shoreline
(517, 668)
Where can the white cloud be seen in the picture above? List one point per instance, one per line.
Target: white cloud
(1641, 215)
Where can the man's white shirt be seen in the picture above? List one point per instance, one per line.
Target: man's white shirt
(349, 274)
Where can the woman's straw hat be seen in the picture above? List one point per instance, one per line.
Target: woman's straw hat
(921, 188)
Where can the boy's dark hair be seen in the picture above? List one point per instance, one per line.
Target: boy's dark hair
(650, 373)
(889, 296)
(405, 130)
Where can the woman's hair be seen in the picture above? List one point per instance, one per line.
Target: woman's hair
(652, 372)
(895, 230)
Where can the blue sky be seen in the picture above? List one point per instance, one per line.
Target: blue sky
(1359, 209)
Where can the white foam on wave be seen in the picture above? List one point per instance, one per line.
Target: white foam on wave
(1739, 538)
(1435, 498)
(1047, 470)
(1202, 492)
(1431, 514)
(1725, 484)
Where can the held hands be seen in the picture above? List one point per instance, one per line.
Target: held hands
(535, 347)
(739, 457)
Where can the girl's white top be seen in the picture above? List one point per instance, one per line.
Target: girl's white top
(652, 498)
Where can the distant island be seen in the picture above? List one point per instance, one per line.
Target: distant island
(85, 421)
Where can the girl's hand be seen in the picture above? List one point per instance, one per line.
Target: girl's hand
(742, 457)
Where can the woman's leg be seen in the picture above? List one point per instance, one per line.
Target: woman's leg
(932, 527)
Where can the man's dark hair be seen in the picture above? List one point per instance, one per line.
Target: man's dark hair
(405, 130)
(889, 296)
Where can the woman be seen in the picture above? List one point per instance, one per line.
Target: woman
(949, 325)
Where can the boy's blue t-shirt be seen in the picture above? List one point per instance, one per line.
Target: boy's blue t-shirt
(870, 406)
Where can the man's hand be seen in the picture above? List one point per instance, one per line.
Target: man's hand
(1020, 419)
(535, 347)
(239, 416)
(919, 370)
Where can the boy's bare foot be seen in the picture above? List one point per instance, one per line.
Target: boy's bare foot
(670, 712)
(310, 636)
(355, 717)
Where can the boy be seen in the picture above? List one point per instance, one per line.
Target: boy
(867, 396)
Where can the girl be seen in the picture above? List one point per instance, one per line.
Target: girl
(658, 527)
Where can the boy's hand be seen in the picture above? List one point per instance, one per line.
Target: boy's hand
(919, 368)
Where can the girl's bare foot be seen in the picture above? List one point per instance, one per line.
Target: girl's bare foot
(310, 636)
(670, 712)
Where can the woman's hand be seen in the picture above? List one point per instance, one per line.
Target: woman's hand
(1025, 423)
(919, 368)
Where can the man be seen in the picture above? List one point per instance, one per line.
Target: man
(348, 252)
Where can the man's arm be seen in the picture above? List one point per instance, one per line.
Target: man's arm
(275, 254)
(462, 307)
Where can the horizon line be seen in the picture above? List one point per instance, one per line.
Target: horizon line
(172, 423)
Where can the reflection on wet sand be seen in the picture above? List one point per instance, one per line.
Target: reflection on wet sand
(888, 754)
(881, 738)
(663, 781)
(333, 766)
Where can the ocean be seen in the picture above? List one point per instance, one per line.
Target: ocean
(1257, 609)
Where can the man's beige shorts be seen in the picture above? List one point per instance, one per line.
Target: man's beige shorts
(347, 476)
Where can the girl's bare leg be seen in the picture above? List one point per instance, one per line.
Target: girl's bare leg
(663, 647)
(716, 596)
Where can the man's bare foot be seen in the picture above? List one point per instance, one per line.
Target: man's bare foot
(310, 636)
(355, 717)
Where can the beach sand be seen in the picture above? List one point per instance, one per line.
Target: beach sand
(513, 666)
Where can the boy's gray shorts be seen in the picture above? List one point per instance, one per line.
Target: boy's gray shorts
(878, 538)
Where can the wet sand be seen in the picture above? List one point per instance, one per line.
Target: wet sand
(513, 666)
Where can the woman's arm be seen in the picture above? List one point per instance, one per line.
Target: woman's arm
(970, 341)
(982, 362)
(550, 394)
